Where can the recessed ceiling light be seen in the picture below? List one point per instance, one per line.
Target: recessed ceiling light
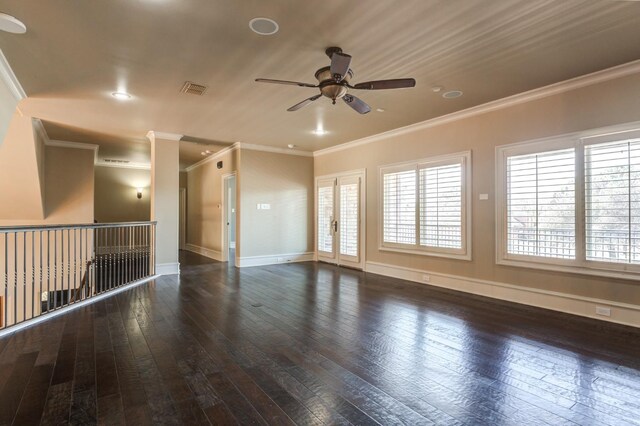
(452, 94)
(122, 96)
(263, 26)
(291, 146)
(320, 132)
(11, 25)
(436, 89)
(203, 153)
(208, 152)
(380, 109)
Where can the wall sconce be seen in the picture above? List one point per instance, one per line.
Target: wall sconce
(139, 193)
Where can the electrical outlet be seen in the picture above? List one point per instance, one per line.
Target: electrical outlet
(426, 278)
(601, 310)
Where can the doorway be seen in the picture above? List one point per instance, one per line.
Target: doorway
(340, 212)
(229, 218)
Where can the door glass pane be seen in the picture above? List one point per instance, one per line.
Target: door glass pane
(349, 219)
(325, 216)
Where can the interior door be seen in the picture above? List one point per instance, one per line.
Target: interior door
(339, 220)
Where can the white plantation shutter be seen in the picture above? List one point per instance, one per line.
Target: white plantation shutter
(349, 218)
(399, 207)
(424, 206)
(612, 201)
(325, 217)
(541, 204)
(441, 206)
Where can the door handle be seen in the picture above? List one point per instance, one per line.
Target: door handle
(335, 226)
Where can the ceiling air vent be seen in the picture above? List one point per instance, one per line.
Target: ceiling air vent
(193, 88)
(111, 160)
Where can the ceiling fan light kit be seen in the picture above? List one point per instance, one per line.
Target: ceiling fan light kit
(11, 24)
(334, 82)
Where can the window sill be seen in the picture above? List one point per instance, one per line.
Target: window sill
(456, 256)
(586, 269)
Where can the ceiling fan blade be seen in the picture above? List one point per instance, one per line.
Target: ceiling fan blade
(398, 83)
(304, 103)
(357, 104)
(291, 83)
(340, 64)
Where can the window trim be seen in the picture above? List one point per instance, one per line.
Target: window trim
(578, 141)
(464, 158)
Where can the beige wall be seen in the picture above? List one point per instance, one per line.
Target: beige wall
(70, 186)
(116, 197)
(285, 182)
(21, 194)
(600, 105)
(204, 201)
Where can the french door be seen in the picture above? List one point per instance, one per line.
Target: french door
(339, 219)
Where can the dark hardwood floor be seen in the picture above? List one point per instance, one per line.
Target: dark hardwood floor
(315, 344)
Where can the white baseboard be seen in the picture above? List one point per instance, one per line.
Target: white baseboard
(274, 259)
(167, 268)
(211, 254)
(621, 313)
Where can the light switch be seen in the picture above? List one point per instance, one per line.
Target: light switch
(266, 207)
(484, 196)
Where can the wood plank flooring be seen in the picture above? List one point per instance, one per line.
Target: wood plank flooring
(313, 344)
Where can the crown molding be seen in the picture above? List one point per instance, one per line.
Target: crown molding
(276, 150)
(250, 147)
(164, 136)
(75, 145)
(531, 95)
(130, 165)
(213, 156)
(10, 79)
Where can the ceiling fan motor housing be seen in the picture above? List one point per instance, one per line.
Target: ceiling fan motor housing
(328, 85)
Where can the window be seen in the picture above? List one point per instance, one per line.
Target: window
(571, 203)
(541, 204)
(424, 206)
(612, 201)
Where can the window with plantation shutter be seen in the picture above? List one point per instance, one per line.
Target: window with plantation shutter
(399, 200)
(612, 201)
(541, 204)
(424, 206)
(571, 203)
(441, 206)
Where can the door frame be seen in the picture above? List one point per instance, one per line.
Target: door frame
(362, 173)
(224, 255)
(182, 218)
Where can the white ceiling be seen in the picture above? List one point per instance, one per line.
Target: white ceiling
(77, 52)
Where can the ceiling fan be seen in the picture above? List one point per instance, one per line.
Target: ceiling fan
(333, 82)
